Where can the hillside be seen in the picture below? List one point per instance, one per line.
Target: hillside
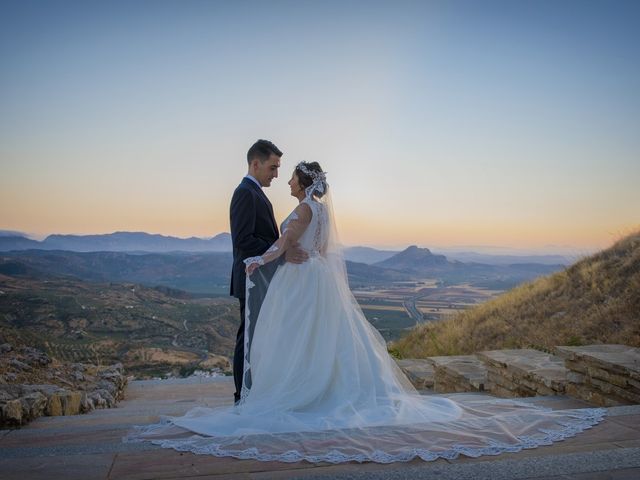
(201, 273)
(596, 300)
(152, 331)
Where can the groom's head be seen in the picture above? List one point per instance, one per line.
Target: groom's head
(264, 160)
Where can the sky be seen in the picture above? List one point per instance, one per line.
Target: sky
(511, 124)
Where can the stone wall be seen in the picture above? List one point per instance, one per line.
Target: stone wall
(32, 385)
(603, 375)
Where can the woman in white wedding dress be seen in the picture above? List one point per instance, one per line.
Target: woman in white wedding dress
(319, 384)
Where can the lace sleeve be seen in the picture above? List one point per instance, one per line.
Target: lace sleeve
(297, 224)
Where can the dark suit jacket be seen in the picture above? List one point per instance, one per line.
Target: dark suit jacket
(253, 229)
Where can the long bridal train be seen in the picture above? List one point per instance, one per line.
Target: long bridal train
(320, 385)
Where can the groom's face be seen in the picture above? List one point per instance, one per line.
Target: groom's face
(267, 171)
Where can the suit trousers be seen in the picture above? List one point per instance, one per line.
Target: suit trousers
(238, 354)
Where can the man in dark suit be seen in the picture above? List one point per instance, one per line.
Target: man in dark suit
(253, 231)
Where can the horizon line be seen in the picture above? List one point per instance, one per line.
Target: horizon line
(460, 248)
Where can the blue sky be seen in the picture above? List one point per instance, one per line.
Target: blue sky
(440, 123)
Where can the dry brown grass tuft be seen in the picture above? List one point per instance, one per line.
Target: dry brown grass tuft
(596, 300)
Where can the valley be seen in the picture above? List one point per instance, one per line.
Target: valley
(397, 308)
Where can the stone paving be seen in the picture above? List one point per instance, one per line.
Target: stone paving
(89, 446)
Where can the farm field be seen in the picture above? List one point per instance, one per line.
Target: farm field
(397, 308)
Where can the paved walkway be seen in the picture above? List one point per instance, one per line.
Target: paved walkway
(89, 447)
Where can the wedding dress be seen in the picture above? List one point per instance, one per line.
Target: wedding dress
(319, 384)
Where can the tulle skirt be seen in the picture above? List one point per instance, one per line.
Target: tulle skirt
(325, 389)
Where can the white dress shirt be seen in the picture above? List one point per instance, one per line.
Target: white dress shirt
(252, 178)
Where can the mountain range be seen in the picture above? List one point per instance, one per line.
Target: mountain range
(207, 273)
(116, 242)
(153, 243)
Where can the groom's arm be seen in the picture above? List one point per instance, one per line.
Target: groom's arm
(243, 222)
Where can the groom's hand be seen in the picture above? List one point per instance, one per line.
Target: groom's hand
(295, 254)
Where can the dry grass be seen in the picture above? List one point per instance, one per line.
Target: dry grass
(596, 300)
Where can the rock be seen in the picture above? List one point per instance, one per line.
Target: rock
(61, 380)
(11, 413)
(459, 373)
(33, 405)
(42, 386)
(419, 372)
(45, 389)
(86, 403)
(97, 400)
(34, 356)
(71, 403)
(54, 406)
(18, 365)
(64, 402)
(5, 396)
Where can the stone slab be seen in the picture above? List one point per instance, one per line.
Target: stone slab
(459, 373)
(538, 367)
(620, 359)
(419, 371)
(583, 369)
(75, 467)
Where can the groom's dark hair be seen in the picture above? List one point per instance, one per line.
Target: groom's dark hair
(262, 150)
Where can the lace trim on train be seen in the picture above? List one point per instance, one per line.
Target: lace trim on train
(581, 420)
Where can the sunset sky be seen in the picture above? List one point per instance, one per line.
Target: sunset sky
(440, 123)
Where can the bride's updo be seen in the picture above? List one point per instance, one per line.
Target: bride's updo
(310, 172)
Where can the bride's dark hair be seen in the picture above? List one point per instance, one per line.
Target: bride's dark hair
(306, 180)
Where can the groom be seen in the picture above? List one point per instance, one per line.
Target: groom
(253, 231)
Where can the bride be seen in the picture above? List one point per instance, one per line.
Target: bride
(318, 383)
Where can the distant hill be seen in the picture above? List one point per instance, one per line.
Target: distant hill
(17, 242)
(416, 259)
(596, 300)
(367, 255)
(118, 242)
(12, 233)
(422, 263)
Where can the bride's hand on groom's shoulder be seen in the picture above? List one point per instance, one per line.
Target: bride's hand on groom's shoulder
(295, 254)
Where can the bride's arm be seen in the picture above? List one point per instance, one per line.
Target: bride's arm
(290, 236)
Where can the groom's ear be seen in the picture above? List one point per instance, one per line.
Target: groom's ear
(253, 163)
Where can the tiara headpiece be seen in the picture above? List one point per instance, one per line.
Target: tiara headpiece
(319, 179)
